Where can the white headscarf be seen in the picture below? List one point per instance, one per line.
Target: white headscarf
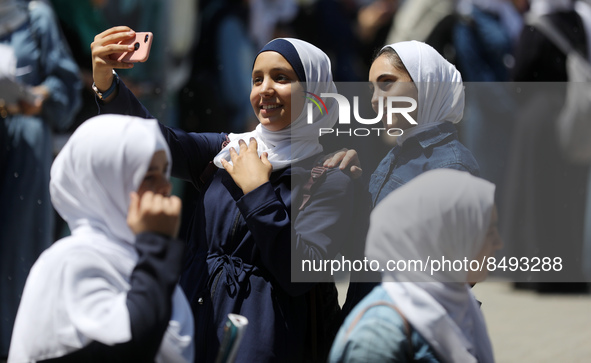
(439, 85)
(76, 291)
(299, 140)
(442, 212)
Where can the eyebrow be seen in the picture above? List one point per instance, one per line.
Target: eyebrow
(276, 69)
(385, 75)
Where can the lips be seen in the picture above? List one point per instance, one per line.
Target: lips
(270, 107)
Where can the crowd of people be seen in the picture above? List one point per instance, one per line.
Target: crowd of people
(214, 117)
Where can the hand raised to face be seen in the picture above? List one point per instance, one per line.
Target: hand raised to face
(155, 213)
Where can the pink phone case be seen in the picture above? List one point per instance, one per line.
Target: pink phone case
(142, 42)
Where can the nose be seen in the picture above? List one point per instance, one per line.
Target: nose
(377, 100)
(266, 87)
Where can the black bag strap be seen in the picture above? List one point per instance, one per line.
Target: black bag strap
(317, 174)
(407, 326)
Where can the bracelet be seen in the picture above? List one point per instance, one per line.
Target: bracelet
(107, 93)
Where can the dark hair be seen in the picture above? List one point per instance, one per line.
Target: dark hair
(393, 57)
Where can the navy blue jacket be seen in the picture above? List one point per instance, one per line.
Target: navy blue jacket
(240, 247)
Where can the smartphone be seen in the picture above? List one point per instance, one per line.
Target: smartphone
(142, 44)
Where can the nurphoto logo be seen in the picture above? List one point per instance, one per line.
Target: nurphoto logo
(392, 107)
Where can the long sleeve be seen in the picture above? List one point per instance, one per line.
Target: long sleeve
(58, 69)
(317, 234)
(148, 301)
(191, 152)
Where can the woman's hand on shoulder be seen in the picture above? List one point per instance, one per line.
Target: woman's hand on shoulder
(154, 213)
(248, 170)
(104, 45)
(347, 160)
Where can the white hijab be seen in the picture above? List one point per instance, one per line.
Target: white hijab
(76, 291)
(442, 212)
(439, 85)
(299, 140)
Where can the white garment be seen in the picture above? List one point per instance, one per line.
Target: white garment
(442, 212)
(439, 85)
(76, 291)
(544, 7)
(7, 62)
(299, 140)
(583, 8)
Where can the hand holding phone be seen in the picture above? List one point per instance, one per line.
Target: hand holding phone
(142, 44)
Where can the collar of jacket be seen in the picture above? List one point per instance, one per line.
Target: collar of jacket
(432, 136)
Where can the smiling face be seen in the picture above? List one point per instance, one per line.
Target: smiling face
(388, 80)
(273, 82)
(155, 179)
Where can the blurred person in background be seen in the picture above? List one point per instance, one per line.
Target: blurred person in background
(484, 38)
(215, 95)
(544, 198)
(429, 21)
(43, 61)
(82, 19)
(349, 31)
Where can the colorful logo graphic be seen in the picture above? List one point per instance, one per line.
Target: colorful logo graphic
(316, 103)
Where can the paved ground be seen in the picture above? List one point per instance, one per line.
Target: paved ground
(527, 327)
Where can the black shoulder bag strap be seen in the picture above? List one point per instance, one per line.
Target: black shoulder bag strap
(317, 174)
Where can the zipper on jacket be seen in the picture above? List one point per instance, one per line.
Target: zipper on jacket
(216, 280)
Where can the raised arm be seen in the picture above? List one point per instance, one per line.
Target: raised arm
(191, 152)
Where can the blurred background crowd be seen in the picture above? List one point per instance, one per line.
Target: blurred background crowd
(198, 78)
